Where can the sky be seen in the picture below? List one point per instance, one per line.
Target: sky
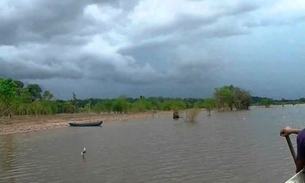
(169, 48)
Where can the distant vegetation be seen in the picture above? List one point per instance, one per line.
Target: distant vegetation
(230, 97)
(18, 99)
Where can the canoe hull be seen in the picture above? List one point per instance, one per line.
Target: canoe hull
(297, 178)
(97, 123)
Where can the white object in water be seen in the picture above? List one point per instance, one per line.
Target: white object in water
(83, 152)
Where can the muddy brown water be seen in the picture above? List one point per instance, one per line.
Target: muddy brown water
(239, 146)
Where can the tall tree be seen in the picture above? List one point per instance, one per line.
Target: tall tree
(242, 98)
(228, 97)
(74, 102)
(67, 107)
(47, 95)
(142, 104)
(224, 98)
(120, 104)
(19, 85)
(8, 95)
(35, 91)
(88, 106)
(209, 104)
(107, 105)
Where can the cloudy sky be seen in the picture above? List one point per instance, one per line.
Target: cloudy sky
(170, 48)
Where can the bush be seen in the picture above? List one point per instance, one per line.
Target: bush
(191, 114)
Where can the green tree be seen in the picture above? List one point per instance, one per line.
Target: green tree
(242, 98)
(23, 103)
(36, 108)
(142, 105)
(99, 107)
(67, 107)
(8, 95)
(35, 91)
(178, 104)
(199, 104)
(120, 105)
(165, 106)
(25, 96)
(228, 97)
(224, 98)
(209, 104)
(47, 95)
(107, 105)
(49, 107)
(267, 102)
(19, 85)
(88, 107)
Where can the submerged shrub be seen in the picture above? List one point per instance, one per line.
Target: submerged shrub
(191, 114)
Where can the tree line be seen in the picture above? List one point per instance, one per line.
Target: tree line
(18, 99)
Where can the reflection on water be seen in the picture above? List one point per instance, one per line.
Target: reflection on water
(84, 159)
(240, 146)
(8, 148)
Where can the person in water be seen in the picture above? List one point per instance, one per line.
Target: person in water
(300, 159)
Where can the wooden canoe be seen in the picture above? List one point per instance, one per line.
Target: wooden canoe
(96, 123)
(297, 178)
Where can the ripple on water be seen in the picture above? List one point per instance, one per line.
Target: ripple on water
(222, 148)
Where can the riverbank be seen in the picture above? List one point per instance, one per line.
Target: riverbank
(21, 124)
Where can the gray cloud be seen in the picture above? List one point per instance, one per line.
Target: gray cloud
(136, 47)
(184, 23)
(45, 20)
(30, 70)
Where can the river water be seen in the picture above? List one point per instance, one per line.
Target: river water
(239, 146)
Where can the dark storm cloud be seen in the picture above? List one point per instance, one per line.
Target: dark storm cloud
(102, 69)
(23, 69)
(44, 20)
(195, 72)
(146, 45)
